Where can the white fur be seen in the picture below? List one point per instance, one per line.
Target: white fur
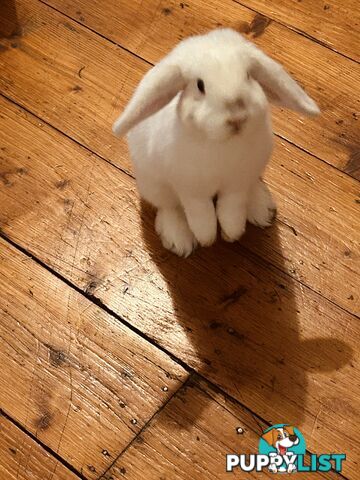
(188, 147)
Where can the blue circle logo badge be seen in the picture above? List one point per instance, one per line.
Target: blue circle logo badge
(284, 442)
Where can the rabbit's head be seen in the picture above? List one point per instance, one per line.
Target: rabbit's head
(221, 81)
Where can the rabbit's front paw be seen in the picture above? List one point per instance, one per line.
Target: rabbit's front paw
(202, 220)
(206, 234)
(261, 207)
(231, 212)
(175, 234)
(234, 232)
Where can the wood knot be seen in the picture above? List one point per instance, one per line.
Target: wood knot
(44, 421)
(57, 357)
(61, 184)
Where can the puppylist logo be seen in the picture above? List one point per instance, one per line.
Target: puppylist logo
(282, 449)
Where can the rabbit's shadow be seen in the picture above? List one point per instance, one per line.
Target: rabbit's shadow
(245, 324)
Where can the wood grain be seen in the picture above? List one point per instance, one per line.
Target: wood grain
(181, 445)
(151, 29)
(334, 23)
(72, 375)
(21, 458)
(318, 208)
(266, 339)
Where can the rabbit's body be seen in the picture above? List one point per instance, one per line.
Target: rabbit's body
(188, 166)
(197, 140)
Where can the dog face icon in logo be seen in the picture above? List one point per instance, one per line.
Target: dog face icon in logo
(280, 441)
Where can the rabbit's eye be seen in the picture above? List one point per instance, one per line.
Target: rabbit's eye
(201, 85)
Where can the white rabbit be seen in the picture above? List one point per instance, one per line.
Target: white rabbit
(200, 128)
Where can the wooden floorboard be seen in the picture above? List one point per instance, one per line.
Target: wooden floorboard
(21, 458)
(333, 23)
(151, 29)
(190, 437)
(68, 369)
(82, 107)
(310, 222)
(229, 320)
(113, 351)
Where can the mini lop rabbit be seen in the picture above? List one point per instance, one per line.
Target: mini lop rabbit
(199, 127)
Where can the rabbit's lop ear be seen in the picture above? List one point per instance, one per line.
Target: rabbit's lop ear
(278, 85)
(156, 89)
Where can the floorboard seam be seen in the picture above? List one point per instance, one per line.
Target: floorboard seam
(110, 312)
(127, 172)
(260, 259)
(81, 145)
(96, 33)
(148, 423)
(298, 31)
(282, 137)
(43, 445)
(96, 301)
(257, 418)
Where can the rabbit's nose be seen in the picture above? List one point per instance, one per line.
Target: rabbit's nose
(236, 124)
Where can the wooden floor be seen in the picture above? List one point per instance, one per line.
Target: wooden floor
(119, 360)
